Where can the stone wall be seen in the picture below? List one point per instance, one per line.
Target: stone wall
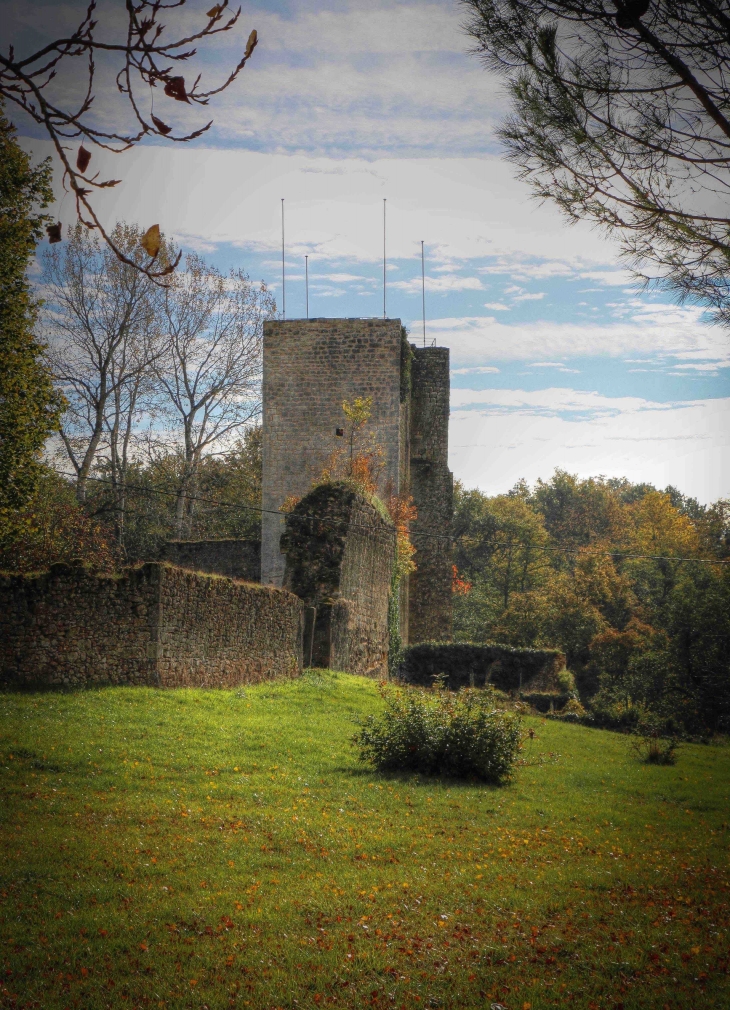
(155, 625)
(464, 664)
(432, 487)
(340, 563)
(309, 368)
(238, 559)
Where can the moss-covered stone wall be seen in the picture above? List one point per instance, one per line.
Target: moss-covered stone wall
(340, 552)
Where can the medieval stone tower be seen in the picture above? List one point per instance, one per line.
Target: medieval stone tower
(310, 367)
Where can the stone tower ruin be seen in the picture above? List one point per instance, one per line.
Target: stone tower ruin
(310, 367)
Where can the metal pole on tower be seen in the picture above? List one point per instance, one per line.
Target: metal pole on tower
(306, 280)
(283, 275)
(384, 262)
(423, 292)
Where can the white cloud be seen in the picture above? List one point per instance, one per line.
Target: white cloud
(496, 306)
(328, 77)
(530, 297)
(613, 278)
(465, 208)
(479, 370)
(552, 401)
(441, 284)
(678, 334)
(706, 367)
(338, 278)
(518, 434)
(559, 365)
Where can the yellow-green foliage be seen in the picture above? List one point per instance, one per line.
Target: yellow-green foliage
(188, 848)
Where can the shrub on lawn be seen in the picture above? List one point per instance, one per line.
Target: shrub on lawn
(653, 749)
(617, 713)
(438, 733)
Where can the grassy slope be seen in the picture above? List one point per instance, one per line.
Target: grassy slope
(207, 849)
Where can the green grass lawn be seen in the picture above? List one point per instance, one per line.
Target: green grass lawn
(221, 848)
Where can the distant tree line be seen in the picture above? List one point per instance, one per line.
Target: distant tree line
(647, 637)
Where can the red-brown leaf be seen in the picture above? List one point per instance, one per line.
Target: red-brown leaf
(175, 88)
(82, 159)
(54, 232)
(214, 11)
(151, 241)
(162, 128)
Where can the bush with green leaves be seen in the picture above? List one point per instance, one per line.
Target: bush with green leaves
(439, 733)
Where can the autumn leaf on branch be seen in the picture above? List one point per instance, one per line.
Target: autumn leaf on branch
(163, 128)
(151, 241)
(82, 159)
(175, 88)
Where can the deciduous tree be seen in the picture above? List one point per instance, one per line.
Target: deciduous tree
(209, 375)
(104, 337)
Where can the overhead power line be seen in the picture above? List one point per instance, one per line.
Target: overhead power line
(429, 534)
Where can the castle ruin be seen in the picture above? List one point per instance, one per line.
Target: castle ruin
(310, 367)
(196, 615)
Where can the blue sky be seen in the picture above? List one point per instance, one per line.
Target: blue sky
(558, 359)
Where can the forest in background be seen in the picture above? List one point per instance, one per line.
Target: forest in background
(647, 637)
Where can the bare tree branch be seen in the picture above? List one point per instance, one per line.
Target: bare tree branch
(148, 62)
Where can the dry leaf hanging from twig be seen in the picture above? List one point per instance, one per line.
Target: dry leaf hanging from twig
(162, 127)
(251, 44)
(54, 232)
(151, 241)
(82, 159)
(175, 88)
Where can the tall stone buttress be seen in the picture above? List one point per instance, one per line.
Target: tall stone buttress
(310, 367)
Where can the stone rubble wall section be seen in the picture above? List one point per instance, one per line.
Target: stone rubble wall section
(67, 628)
(218, 632)
(154, 625)
(365, 578)
(341, 565)
(309, 368)
(238, 559)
